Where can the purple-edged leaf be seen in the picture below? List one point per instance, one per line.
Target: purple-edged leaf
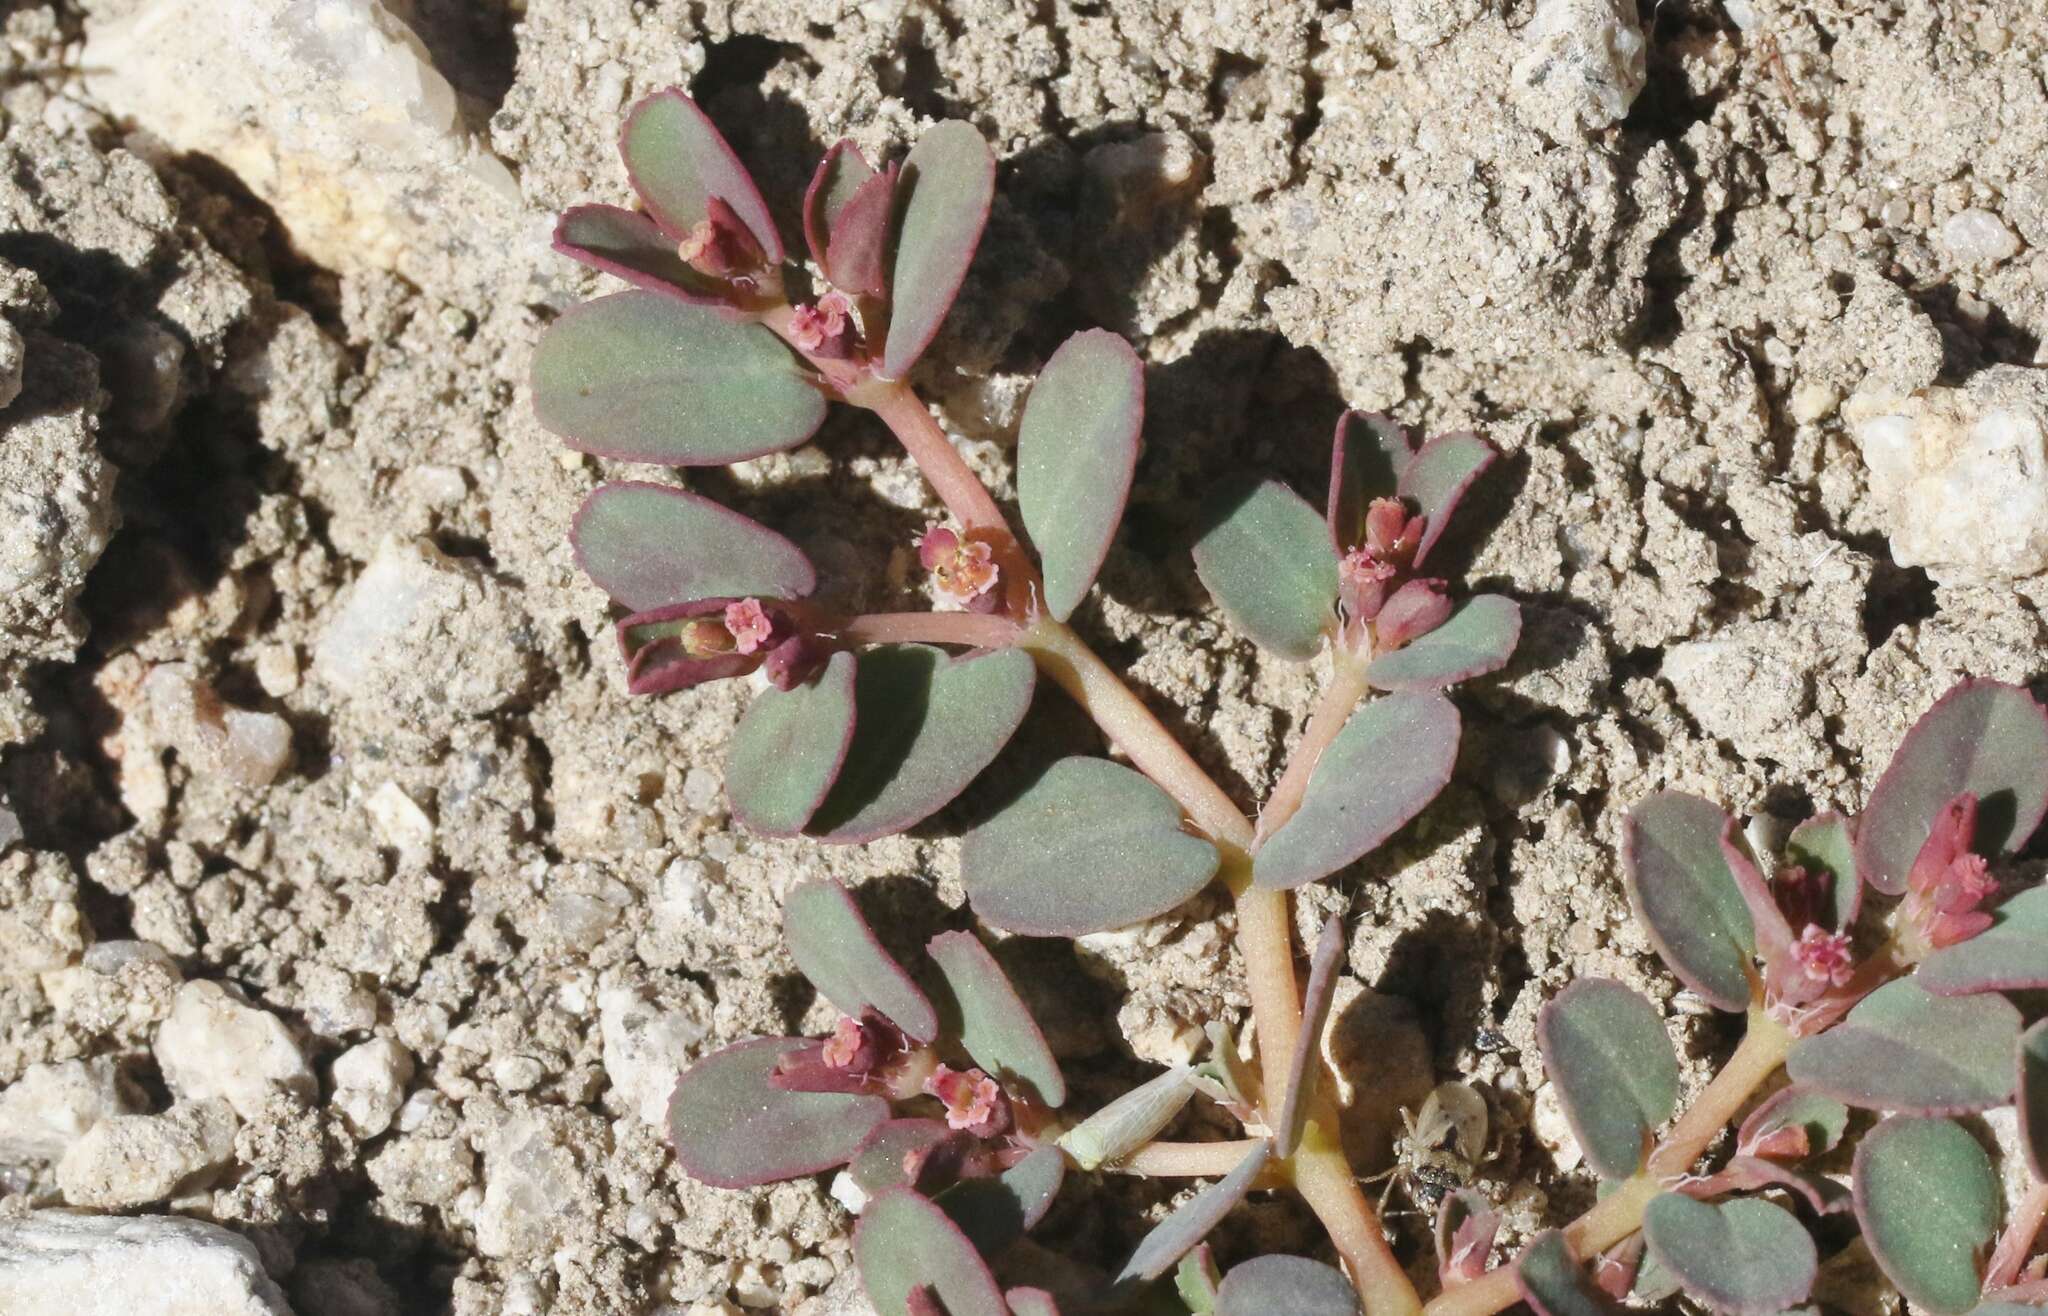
(858, 257)
(2010, 955)
(1740, 1258)
(904, 1242)
(1366, 457)
(925, 726)
(1196, 1280)
(1192, 1220)
(1267, 1286)
(994, 1212)
(643, 377)
(899, 1152)
(834, 947)
(1479, 637)
(1928, 1202)
(1986, 738)
(1827, 844)
(1266, 558)
(1794, 1124)
(651, 545)
(948, 181)
(1032, 1302)
(658, 657)
(1749, 1174)
(982, 1010)
(1384, 767)
(732, 1128)
(1302, 1070)
(1077, 446)
(1606, 1051)
(1903, 1048)
(2033, 1098)
(1130, 1121)
(1553, 1283)
(837, 180)
(1463, 1232)
(1037, 865)
(1438, 476)
(1680, 883)
(787, 751)
(678, 161)
(630, 246)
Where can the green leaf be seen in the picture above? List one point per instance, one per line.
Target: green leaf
(642, 377)
(1680, 884)
(677, 161)
(1037, 866)
(1616, 1075)
(834, 947)
(1130, 1121)
(903, 1242)
(1386, 765)
(1928, 1200)
(1827, 844)
(982, 1009)
(840, 176)
(2010, 955)
(652, 545)
(1741, 1258)
(628, 245)
(1821, 1120)
(1363, 466)
(1986, 738)
(1478, 637)
(787, 750)
(994, 1212)
(1553, 1283)
(2033, 1098)
(1191, 1221)
(1297, 1286)
(895, 1153)
(1077, 446)
(1266, 558)
(1303, 1072)
(1903, 1048)
(1437, 477)
(732, 1128)
(948, 181)
(925, 726)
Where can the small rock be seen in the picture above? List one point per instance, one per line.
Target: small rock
(1978, 237)
(50, 1107)
(214, 738)
(1960, 475)
(215, 1044)
(400, 823)
(12, 352)
(422, 1170)
(132, 1160)
(369, 1084)
(645, 1050)
(82, 1265)
(333, 1003)
(10, 828)
(41, 926)
(1585, 65)
(529, 1173)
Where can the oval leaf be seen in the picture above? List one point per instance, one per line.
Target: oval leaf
(839, 178)
(1680, 884)
(678, 161)
(1928, 1201)
(1192, 1220)
(1814, 1121)
(904, 1242)
(1266, 558)
(948, 181)
(643, 377)
(1986, 738)
(1553, 1283)
(1077, 446)
(995, 1212)
(1091, 845)
(1827, 844)
(984, 1012)
(650, 545)
(1478, 637)
(834, 947)
(1743, 1258)
(732, 1128)
(2033, 1098)
(925, 726)
(1903, 1048)
(1384, 767)
(896, 1153)
(787, 750)
(628, 245)
(1268, 1286)
(1437, 476)
(1616, 1074)
(2010, 955)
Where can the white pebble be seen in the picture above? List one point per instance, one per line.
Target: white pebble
(215, 1044)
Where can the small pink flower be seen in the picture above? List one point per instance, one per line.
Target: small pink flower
(963, 571)
(720, 244)
(845, 1044)
(972, 1099)
(749, 623)
(1824, 956)
(824, 329)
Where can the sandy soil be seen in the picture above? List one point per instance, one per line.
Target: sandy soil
(482, 906)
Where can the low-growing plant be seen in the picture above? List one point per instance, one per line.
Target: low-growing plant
(935, 1091)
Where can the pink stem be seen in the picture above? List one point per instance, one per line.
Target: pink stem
(972, 629)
